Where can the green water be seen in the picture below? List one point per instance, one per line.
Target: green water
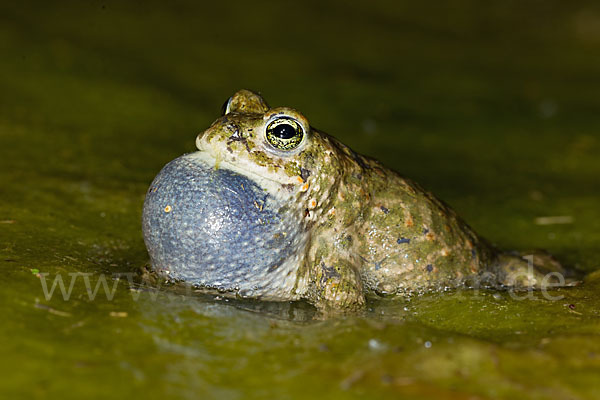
(495, 108)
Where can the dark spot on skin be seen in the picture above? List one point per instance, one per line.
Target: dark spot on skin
(329, 272)
(229, 149)
(429, 268)
(289, 187)
(385, 210)
(572, 306)
(358, 158)
(304, 174)
(403, 240)
(276, 265)
(376, 264)
(306, 212)
(473, 254)
(308, 159)
(425, 231)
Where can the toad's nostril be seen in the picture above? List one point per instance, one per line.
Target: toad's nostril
(235, 132)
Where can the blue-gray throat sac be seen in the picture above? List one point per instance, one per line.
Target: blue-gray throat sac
(218, 229)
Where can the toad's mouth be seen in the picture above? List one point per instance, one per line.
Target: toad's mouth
(274, 187)
(217, 228)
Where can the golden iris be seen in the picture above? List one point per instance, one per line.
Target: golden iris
(284, 133)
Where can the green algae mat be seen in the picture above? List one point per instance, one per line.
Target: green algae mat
(493, 107)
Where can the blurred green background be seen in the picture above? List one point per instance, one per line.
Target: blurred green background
(494, 106)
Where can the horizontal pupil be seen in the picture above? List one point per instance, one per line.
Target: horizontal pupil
(284, 131)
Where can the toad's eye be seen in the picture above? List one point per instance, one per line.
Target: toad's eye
(225, 106)
(284, 133)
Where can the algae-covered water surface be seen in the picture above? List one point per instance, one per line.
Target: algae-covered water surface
(493, 107)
